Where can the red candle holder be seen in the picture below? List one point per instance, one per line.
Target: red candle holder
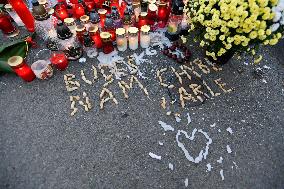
(23, 12)
(95, 35)
(61, 11)
(163, 15)
(80, 30)
(6, 25)
(78, 10)
(142, 19)
(107, 43)
(59, 60)
(102, 13)
(90, 4)
(18, 64)
(152, 14)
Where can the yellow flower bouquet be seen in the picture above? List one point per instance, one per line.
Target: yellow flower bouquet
(235, 25)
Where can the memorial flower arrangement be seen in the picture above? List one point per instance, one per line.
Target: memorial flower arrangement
(236, 25)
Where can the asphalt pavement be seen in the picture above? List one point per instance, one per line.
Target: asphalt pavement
(43, 147)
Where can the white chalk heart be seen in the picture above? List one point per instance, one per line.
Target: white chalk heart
(202, 154)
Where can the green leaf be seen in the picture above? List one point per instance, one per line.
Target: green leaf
(15, 48)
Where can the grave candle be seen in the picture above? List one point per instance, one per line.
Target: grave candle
(95, 35)
(152, 14)
(59, 60)
(70, 23)
(18, 64)
(80, 30)
(61, 11)
(102, 13)
(39, 11)
(14, 15)
(133, 38)
(144, 36)
(107, 43)
(163, 15)
(142, 19)
(121, 39)
(5, 24)
(78, 10)
(26, 16)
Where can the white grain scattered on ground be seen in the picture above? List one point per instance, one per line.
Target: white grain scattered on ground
(229, 129)
(229, 150)
(154, 156)
(222, 174)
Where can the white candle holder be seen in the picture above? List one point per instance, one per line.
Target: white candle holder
(121, 39)
(145, 37)
(133, 38)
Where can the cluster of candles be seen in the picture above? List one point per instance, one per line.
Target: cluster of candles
(100, 24)
(41, 69)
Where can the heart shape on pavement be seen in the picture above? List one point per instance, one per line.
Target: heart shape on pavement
(203, 152)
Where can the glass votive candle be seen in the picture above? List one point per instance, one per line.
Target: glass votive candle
(144, 36)
(42, 69)
(18, 64)
(102, 13)
(152, 14)
(133, 38)
(59, 60)
(80, 30)
(107, 42)
(121, 40)
(95, 35)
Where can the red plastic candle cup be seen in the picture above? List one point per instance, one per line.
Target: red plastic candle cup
(18, 64)
(152, 14)
(73, 1)
(61, 13)
(95, 35)
(78, 10)
(5, 24)
(80, 30)
(102, 13)
(90, 5)
(107, 43)
(142, 19)
(59, 60)
(23, 12)
(163, 15)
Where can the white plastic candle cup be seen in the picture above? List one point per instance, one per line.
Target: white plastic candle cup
(144, 36)
(42, 69)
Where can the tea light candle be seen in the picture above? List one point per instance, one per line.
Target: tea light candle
(42, 69)
(18, 64)
(144, 36)
(95, 35)
(59, 60)
(133, 38)
(107, 43)
(121, 39)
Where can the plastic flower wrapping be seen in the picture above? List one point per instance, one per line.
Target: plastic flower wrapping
(236, 25)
